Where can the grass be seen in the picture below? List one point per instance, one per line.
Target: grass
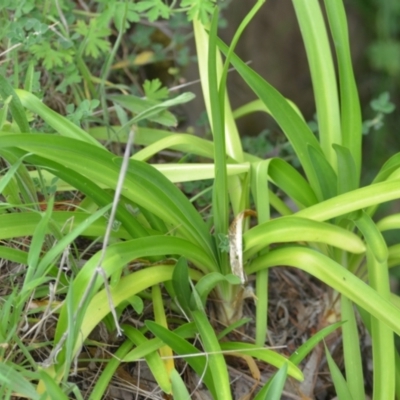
(156, 281)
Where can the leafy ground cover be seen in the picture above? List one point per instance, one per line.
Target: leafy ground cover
(116, 285)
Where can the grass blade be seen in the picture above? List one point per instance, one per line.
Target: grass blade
(220, 190)
(61, 124)
(325, 174)
(351, 118)
(38, 238)
(293, 125)
(15, 381)
(216, 361)
(352, 350)
(347, 174)
(313, 31)
(264, 354)
(108, 372)
(291, 182)
(371, 195)
(181, 285)
(275, 386)
(339, 382)
(155, 362)
(383, 349)
(179, 390)
(183, 347)
(16, 107)
(161, 319)
(304, 350)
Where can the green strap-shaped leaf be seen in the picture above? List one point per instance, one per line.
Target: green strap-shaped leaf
(381, 334)
(154, 361)
(35, 248)
(267, 355)
(295, 229)
(23, 179)
(325, 174)
(352, 201)
(347, 174)
(220, 200)
(334, 275)
(294, 127)
(351, 118)
(180, 282)
(276, 384)
(184, 348)
(304, 350)
(390, 166)
(315, 37)
(179, 389)
(180, 142)
(352, 349)
(16, 107)
(91, 189)
(394, 256)
(101, 384)
(291, 182)
(14, 255)
(14, 225)
(339, 381)
(208, 282)
(215, 359)
(10, 377)
(118, 255)
(61, 124)
(187, 330)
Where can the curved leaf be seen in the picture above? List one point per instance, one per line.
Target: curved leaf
(275, 386)
(267, 355)
(351, 118)
(184, 348)
(208, 282)
(371, 195)
(118, 255)
(190, 144)
(295, 229)
(294, 127)
(215, 359)
(315, 37)
(143, 184)
(17, 111)
(342, 390)
(196, 172)
(61, 124)
(389, 222)
(291, 182)
(23, 224)
(99, 305)
(179, 390)
(347, 179)
(304, 350)
(335, 276)
(325, 174)
(154, 361)
(91, 189)
(100, 387)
